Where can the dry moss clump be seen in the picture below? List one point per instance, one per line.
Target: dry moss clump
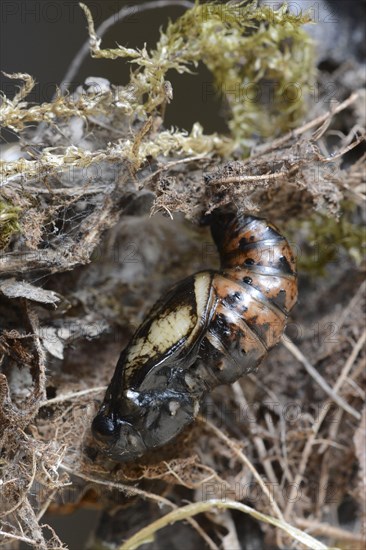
(81, 262)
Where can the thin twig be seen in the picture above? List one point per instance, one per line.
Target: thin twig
(322, 482)
(74, 395)
(244, 179)
(308, 126)
(344, 150)
(333, 430)
(327, 530)
(351, 359)
(316, 426)
(147, 533)
(117, 17)
(247, 463)
(258, 441)
(19, 538)
(174, 474)
(46, 504)
(127, 489)
(294, 350)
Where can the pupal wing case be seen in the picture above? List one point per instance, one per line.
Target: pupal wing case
(209, 329)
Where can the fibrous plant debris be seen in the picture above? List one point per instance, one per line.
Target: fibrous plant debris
(81, 263)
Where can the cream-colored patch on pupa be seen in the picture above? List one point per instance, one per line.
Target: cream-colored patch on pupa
(164, 332)
(202, 285)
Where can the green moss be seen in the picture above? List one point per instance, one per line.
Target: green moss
(261, 61)
(329, 241)
(9, 222)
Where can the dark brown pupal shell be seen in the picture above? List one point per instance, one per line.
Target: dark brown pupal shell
(209, 329)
